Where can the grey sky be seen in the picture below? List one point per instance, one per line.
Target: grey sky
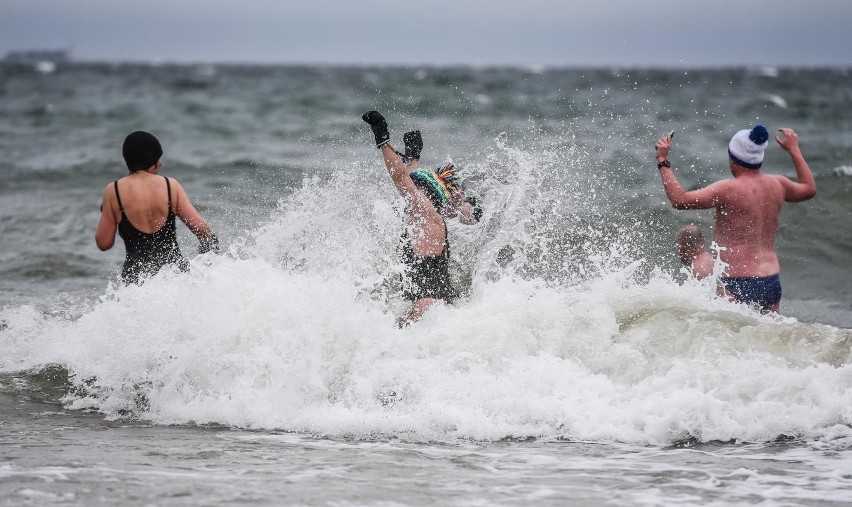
(479, 32)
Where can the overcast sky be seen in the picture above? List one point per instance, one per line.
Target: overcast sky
(479, 32)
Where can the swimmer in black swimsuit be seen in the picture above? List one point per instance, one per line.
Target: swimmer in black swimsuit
(147, 253)
(149, 203)
(429, 195)
(430, 276)
(461, 205)
(427, 277)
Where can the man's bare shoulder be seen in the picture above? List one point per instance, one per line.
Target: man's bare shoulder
(722, 186)
(762, 179)
(726, 192)
(781, 178)
(773, 182)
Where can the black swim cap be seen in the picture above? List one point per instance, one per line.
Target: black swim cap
(141, 150)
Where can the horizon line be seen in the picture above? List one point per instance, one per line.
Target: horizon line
(535, 67)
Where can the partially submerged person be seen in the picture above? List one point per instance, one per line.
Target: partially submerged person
(746, 209)
(465, 207)
(429, 197)
(693, 254)
(142, 208)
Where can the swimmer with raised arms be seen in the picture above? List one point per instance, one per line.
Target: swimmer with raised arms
(746, 210)
(429, 197)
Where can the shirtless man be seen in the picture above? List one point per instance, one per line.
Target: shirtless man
(746, 209)
(428, 197)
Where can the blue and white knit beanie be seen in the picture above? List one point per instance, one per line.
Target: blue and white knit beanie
(747, 146)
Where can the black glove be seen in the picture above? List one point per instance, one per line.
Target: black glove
(209, 243)
(413, 144)
(477, 211)
(378, 125)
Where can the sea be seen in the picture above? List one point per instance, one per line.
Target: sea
(582, 365)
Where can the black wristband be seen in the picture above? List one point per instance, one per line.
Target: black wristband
(405, 160)
(664, 163)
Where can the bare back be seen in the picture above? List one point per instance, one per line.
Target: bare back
(745, 222)
(746, 208)
(428, 231)
(145, 200)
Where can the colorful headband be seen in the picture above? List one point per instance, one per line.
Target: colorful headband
(435, 187)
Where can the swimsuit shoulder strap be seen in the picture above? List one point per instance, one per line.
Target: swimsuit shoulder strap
(118, 196)
(169, 192)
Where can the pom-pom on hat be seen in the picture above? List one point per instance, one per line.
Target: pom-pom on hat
(747, 146)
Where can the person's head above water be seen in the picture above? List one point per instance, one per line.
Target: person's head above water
(439, 185)
(747, 146)
(141, 150)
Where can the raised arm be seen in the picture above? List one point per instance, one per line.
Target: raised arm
(393, 161)
(681, 199)
(193, 220)
(397, 171)
(805, 187)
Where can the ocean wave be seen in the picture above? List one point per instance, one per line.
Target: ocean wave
(576, 335)
(295, 328)
(49, 267)
(247, 344)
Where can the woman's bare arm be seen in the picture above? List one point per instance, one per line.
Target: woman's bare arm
(107, 225)
(193, 220)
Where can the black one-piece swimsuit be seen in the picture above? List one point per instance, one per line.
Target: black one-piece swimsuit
(428, 277)
(147, 253)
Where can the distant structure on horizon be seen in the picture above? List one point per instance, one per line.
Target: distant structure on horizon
(43, 60)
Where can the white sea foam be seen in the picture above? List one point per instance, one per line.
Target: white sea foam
(777, 100)
(244, 343)
(767, 71)
(844, 170)
(295, 328)
(45, 67)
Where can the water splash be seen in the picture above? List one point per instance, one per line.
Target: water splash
(575, 336)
